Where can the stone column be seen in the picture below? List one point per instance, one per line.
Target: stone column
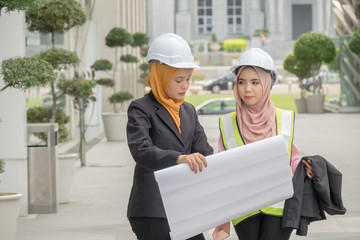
(320, 16)
(183, 20)
(271, 17)
(280, 19)
(256, 17)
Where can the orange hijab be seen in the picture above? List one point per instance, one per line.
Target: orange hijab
(160, 77)
(256, 122)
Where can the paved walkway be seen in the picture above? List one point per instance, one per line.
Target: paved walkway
(100, 191)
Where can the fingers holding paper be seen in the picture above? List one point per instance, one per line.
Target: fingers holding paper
(196, 161)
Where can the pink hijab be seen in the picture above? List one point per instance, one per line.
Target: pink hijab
(256, 122)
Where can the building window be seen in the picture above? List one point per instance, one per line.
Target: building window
(234, 11)
(37, 42)
(204, 16)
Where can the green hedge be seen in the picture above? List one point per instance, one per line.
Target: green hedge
(235, 45)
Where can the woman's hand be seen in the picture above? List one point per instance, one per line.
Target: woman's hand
(195, 161)
(308, 168)
(222, 231)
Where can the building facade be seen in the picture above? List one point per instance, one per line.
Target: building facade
(197, 20)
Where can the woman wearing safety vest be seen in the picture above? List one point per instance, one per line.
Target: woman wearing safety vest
(163, 131)
(256, 118)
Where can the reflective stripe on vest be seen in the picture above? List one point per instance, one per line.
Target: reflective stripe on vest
(231, 138)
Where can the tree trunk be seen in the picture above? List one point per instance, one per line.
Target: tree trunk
(5, 87)
(114, 75)
(53, 92)
(53, 107)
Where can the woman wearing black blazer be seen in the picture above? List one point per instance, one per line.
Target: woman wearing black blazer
(163, 131)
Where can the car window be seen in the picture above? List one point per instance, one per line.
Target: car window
(229, 106)
(218, 107)
(211, 108)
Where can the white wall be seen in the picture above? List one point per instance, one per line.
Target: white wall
(13, 112)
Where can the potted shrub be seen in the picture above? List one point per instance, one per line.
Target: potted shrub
(311, 50)
(115, 122)
(302, 71)
(9, 204)
(214, 45)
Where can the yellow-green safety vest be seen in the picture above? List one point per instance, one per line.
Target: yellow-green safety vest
(231, 137)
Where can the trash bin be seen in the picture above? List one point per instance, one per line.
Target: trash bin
(43, 170)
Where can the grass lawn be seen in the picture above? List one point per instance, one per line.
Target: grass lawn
(284, 101)
(33, 102)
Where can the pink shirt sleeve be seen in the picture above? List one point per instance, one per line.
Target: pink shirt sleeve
(220, 145)
(295, 158)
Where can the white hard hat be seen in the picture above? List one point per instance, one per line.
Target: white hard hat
(172, 50)
(256, 57)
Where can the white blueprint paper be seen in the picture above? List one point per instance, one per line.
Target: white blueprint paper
(235, 183)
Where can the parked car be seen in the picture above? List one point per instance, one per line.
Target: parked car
(216, 106)
(221, 83)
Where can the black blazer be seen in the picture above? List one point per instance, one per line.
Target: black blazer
(313, 197)
(155, 143)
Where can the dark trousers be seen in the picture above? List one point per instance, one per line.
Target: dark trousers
(154, 229)
(262, 227)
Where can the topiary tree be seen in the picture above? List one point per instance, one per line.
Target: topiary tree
(118, 38)
(50, 17)
(13, 5)
(311, 50)
(78, 88)
(141, 40)
(106, 66)
(82, 91)
(300, 69)
(2, 167)
(60, 59)
(24, 73)
(213, 38)
(354, 42)
(314, 48)
(43, 115)
(54, 16)
(120, 97)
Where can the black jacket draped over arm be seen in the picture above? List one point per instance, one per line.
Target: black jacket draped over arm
(313, 197)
